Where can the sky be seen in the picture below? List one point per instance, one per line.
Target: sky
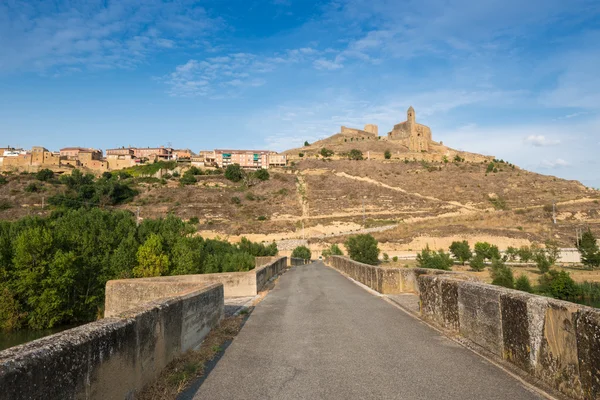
(518, 80)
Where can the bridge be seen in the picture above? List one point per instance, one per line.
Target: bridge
(340, 330)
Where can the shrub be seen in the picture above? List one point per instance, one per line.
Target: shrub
(45, 175)
(386, 257)
(588, 248)
(395, 259)
(355, 154)
(490, 168)
(559, 285)
(236, 200)
(300, 155)
(501, 274)
(262, 174)
(434, 259)
(3, 180)
(301, 252)
(387, 155)
(333, 250)
(234, 173)
(461, 251)
(326, 152)
(542, 261)
(33, 188)
(525, 253)
(363, 248)
(306, 143)
(487, 251)
(250, 196)
(262, 218)
(5, 205)
(511, 253)
(477, 263)
(194, 220)
(458, 158)
(522, 283)
(188, 178)
(445, 159)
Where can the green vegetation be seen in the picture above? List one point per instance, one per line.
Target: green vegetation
(300, 155)
(501, 274)
(487, 251)
(333, 250)
(387, 155)
(53, 270)
(326, 152)
(355, 154)
(44, 175)
(188, 178)
(477, 263)
(262, 175)
(306, 143)
(3, 180)
(33, 187)
(458, 158)
(301, 252)
(234, 173)
(363, 248)
(395, 259)
(498, 202)
(588, 248)
(522, 283)
(432, 259)
(559, 284)
(236, 200)
(461, 251)
(149, 169)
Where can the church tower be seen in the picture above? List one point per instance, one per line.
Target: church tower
(410, 115)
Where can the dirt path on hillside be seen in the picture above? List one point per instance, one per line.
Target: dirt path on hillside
(302, 191)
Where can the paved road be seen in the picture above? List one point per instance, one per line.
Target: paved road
(317, 335)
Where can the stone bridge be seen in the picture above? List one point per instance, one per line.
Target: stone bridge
(339, 331)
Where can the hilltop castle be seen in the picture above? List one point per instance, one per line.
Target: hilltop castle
(415, 136)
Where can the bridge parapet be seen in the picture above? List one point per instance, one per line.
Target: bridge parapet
(553, 341)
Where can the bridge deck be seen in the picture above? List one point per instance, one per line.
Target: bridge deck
(319, 336)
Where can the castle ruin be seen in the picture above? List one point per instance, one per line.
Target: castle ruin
(413, 135)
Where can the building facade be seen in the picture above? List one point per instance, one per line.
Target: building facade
(415, 136)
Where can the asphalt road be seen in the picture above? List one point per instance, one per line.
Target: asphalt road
(317, 335)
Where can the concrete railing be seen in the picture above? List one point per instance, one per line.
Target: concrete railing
(112, 358)
(553, 341)
(298, 261)
(123, 294)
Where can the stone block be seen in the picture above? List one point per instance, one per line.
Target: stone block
(480, 316)
(449, 295)
(588, 351)
(391, 281)
(515, 329)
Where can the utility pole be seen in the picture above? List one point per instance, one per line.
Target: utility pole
(137, 217)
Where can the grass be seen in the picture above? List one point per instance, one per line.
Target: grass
(182, 371)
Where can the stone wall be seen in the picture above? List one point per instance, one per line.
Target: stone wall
(123, 294)
(298, 261)
(112, 358)
(554, 341)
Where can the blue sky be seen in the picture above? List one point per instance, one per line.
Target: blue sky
(518, 80)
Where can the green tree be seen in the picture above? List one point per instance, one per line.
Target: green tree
(300, 155)
(363, 248)
(234, 173)
(487, 251)
(152, 261)
(306, 143)
(477, 263)
(188, 178)
(333, 250)
(461, 251)
(542, 260)
(559, 285)
(511, 253)
(262, 174)
(522, 283)
(301, 252)
(501, 274)
(387, 154)
(326, 152)
(428, 258)
(44, 175)
(588, 248)
(355, 154)
(386, 257)
(525, 254)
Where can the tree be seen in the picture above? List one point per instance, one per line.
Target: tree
(461, 251)
(542, 261)
(434, 259)
(355, 154)
(152, 261)
(188, 178)
(588, 248)
(300, 155)
(487, 251)
(44, 175)
(333, 250)
(522, 283)
(477, 263)
(501, 274)
(387, 155)
(306, 143)
(386, 257)
(262, 174)
(301, 252)
(511, 253)
(234, 172)
(326, 152)
(525, 253)
(559, 285)
(363, 248)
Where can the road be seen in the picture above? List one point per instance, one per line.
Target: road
(317, 335)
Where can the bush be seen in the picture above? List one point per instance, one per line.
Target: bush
(542, 261)
(262, 174)
(188, 178)
(522, 283)
(3, 180)
(194, 220)
(386, 257)
(33, 188)
(236, 200)
(300, 155)
(234, 173)
(44, 175)
(434, 259)
(501, 274)
(525, 253)
(355, 154)
(511, 253)
(326, 152)
(333, 250)
(490, 168)
(395, 259)
(477, 263)
(262, 218)
(461, 251)
(588, 248)
(387, 155)
(363, 248)
(301, 252)
(5, 205)
(487, 251)
(559, 285)
(306, 143)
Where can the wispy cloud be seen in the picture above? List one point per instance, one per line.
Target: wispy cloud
(541, 141)
(557, 163)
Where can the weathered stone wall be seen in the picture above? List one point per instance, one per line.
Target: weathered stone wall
(298, 261)
(112, 358)
(123, 294)
(554, 341)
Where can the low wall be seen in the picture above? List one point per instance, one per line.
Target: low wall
(123, 294)
(298, 261)
(554, 341)
(112, 358)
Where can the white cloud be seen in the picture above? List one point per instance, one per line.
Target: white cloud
(326, 64)
(540, 141)
(557, 163)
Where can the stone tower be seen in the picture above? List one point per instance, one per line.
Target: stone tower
(410, 115)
